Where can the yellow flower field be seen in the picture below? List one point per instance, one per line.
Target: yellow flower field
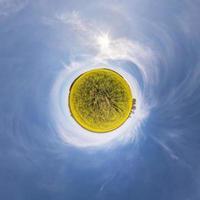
(100, 100)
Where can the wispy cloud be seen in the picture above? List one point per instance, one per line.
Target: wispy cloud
(8, 7)
(74, 20)
(166, 148)
(121, 48)
(99, 46)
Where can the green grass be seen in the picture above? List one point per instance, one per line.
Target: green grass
(100, 100)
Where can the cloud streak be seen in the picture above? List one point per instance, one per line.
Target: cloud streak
(9, 7)
(118, 49)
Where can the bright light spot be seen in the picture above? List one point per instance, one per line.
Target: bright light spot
(103, 41)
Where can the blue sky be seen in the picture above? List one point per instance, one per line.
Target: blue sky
(44, 154)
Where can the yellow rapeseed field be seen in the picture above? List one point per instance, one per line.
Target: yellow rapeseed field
(100, 100)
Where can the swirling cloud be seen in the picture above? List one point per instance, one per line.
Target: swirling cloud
(107, 50)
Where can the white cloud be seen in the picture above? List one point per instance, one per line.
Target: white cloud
(8, 7)
(91, 34)
(100, 47)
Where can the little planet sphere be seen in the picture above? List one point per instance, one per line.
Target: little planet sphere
(100, 100)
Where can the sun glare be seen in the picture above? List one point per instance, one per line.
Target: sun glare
(103, 41)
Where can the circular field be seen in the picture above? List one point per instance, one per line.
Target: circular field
(100, 100)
